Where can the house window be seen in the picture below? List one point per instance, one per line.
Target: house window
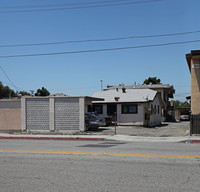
(89, 108)
(98, 108)
(126, 109)
(111, 109)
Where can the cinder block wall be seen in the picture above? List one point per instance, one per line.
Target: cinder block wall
(53, 114)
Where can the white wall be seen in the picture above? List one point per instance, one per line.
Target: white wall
(155, 117)
(130, 119)
(126, 119)
(139, 118)
(104, 112)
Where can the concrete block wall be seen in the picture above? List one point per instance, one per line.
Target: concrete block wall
(37, 114)
(66, 113)
(53, 114)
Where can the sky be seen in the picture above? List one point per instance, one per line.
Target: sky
(120, 49)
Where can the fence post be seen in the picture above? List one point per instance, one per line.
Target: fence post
(191, 120)
(195, 124)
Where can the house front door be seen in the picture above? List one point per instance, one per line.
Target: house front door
(112, 110)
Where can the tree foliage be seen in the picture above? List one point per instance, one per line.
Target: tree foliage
(22, 93)
(152, 80)
(179, 104)
(5, 91)
(42, 92)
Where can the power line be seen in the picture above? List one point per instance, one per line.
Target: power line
(100, 40)
(80, 7)
(7, 83)
(100, 50)
(61, 5)
(8, 78)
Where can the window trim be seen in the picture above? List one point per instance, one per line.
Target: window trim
(123, 105)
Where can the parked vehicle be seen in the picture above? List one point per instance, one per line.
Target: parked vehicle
(184, 117)
(92, 121)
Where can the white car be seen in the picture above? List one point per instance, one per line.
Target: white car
(184, 117)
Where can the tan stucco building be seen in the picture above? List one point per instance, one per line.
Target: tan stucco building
(193, 60)
(10, 115)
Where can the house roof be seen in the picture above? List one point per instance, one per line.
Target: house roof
(189, 57)
(151, 86)
(130, 95)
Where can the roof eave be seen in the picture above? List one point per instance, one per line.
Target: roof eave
(119, 102)
(188, 58)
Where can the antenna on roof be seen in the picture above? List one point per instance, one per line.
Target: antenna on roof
(101, 85)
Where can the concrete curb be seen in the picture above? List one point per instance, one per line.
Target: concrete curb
(52, 138)
(123, 138)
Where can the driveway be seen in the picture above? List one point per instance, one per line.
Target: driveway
(167, 129)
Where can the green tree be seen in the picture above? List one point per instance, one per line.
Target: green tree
(22, 93)
(152, 80)
(6, 92)
(179, 104)
(42, 92)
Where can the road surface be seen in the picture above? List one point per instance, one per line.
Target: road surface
(49, 166)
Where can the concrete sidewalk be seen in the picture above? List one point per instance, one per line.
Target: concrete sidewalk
(168, 132)
(186, 139)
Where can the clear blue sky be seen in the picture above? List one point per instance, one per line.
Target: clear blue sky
(80, 74)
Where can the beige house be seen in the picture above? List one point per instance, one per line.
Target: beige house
(193, 60)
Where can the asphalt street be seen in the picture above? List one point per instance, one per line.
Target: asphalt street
(49, 165)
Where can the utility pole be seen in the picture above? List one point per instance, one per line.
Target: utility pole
(101, 85)
(32, 92)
